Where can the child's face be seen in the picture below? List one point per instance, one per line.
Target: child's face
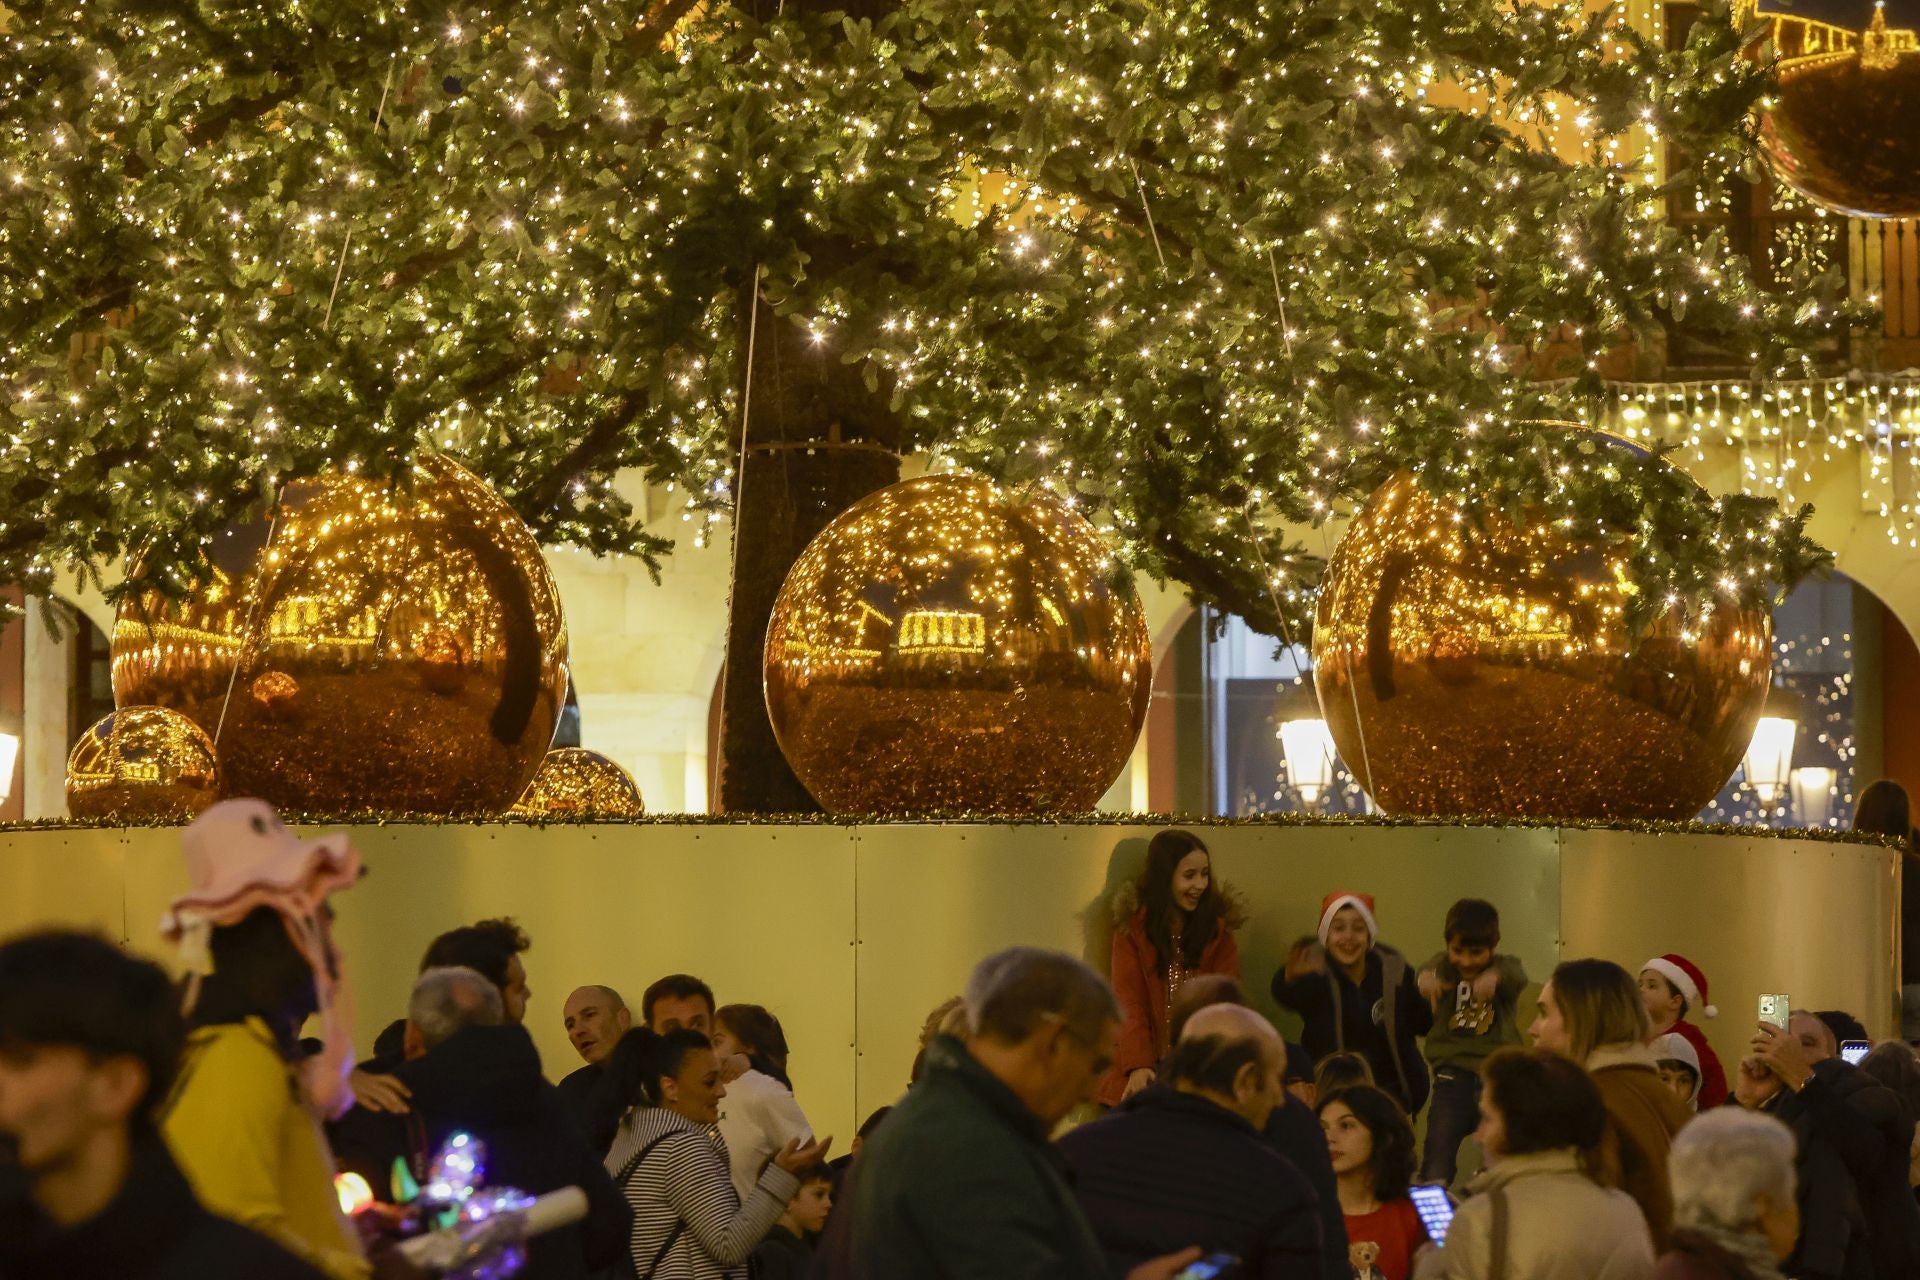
(1347, 936)
(1662, 1001)
(1470, 961)
(810, 1206)
(1349, 1143)
(1678, 1076)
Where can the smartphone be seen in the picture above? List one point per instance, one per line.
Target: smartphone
(1215, 1266)
(1436, 1211)
(1854, 1050)
(1774, 1009)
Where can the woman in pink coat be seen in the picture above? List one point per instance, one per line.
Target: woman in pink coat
(1173, 923)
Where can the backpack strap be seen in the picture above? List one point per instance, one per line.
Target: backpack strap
(679, 1228)
(1497, 1260)
(1339, 1014)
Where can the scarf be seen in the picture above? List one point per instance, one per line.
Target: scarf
(1747, 1247)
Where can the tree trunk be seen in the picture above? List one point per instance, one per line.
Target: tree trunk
(817, 441)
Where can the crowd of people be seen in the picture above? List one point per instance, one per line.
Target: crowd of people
(1059, 1124)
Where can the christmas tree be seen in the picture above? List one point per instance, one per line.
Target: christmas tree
(1212, 271)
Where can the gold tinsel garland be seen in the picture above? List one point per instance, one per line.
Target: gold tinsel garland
(977, 819)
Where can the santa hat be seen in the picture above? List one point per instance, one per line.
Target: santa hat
(1361, 902)
(1686, 979)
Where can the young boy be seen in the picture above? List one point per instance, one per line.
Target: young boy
(787, 1252)
(1679, 1067)
(1474, 992)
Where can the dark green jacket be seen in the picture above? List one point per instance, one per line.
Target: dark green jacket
(1463, 1040)
(961, 1183)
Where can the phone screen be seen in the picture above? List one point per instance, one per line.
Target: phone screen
(1436, 1211)
(1216, 1266)
(1854, 1050)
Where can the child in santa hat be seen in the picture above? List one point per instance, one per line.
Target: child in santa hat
(1671, 986)
(1355, 994)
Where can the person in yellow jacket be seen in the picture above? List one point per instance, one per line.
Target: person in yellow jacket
(243, 1119)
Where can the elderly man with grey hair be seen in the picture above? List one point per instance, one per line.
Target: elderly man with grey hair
(470, 1070)
(963, 1182)
(1735, 1214)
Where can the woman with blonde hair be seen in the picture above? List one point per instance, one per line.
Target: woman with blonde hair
(1592, 1012)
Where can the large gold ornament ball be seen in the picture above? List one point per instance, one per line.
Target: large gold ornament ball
(1844, 128)
(574, 782)
(142, 764)
(370, 647)
(1495, 676)
(947, 644)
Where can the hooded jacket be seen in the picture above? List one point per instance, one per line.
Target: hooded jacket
(486, 1081)
(1168, 1169)
(1360, 1024)
(152, 1229)
(1140, 986)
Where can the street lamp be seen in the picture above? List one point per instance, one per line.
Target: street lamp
(1813, 787)
(9, 755)
(1308, 746)
(1769, 759)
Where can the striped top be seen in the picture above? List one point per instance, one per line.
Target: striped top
(686, 1178)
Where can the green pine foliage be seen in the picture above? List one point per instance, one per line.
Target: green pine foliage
(1251, 269)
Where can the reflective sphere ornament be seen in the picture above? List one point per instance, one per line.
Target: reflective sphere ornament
(371, 647)
(1844, 128)
(573, 782)
(142, 764)
(1496, 676)
(948, 645)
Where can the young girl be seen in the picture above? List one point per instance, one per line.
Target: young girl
(1358, 995)
(1671, 986)
(1370, 1141)
(759, 1115)
(1174, 924)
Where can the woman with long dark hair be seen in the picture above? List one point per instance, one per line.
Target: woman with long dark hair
(688, 1221)
(1172, 923)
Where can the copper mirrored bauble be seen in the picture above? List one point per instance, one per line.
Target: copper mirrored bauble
(1844, 128)
(1495, 676)
(142, 764)
(947, 644)
(579, 783)
(369, 648)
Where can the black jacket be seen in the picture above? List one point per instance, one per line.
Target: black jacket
(577, 1092)
(1165, 1170)
(1361, 1025)
(1295, 1132)
(153, 1229)
(486, 1081)
(1857, 1216)
(781, 1256)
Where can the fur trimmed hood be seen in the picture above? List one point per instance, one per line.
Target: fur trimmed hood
(1125, 901)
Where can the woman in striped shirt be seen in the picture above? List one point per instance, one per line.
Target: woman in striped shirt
(689, 1222)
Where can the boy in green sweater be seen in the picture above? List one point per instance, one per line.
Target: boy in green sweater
(1475, 993)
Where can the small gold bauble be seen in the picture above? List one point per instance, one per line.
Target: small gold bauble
(947, 645)
(396, 651)
(142, 764)
(1495, 676)
(1844, 126)
(575, 782)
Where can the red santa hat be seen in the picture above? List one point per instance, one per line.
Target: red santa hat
(1361, 902)
(1686, 979)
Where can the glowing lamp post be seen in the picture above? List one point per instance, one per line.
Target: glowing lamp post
(1308, 746)
(1769, 759)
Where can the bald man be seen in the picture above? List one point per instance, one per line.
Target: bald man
(596, 1018)
(1185, 1161)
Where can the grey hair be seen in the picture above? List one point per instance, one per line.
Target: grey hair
(1722, 1161)
(1013, 992)
(451, 998)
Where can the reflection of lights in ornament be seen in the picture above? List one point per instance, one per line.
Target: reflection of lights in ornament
(1309, 750)
(574, 782)
(1769, 759)
(9, 754)
(142, 763)
(353, 1192)
(1813, 787)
